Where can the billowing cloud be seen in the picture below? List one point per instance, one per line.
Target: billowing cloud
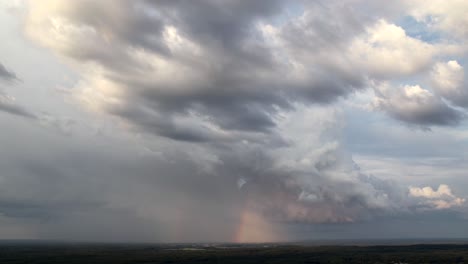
(226, 74)
(224, 117)
(230, 71)
(222, 71)
(449, 81)
(415, 105)
(386, 50)
(217, 63)
(442, 198)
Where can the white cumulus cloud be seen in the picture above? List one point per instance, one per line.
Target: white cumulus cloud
(441, 198)
(449, 81)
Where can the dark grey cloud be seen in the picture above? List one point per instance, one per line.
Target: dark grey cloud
(225, 27)
(211, 60)
(236, 64)
(324, 25)
(8, 105)
(438, 114)
(16, 110)
(6, 74)
(170, 196)
(127, 25)
(178, 191)
(174, 197)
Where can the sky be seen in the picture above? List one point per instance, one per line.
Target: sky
(233, 121)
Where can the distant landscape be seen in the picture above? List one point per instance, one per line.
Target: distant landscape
(71, 253)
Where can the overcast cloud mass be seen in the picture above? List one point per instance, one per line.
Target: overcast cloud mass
(237, 121)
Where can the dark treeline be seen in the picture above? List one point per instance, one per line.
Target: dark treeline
(290, 254)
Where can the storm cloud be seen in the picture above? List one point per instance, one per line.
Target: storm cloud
(229, 75)
(225, 120)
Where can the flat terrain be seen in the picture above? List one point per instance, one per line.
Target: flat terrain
(219, 253)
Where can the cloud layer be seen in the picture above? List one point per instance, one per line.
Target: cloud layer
(159, 64)
(225, 119)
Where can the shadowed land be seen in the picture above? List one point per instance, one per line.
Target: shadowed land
(51, 253)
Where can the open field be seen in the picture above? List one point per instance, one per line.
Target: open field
(225, 253)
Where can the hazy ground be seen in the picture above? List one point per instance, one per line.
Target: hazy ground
(14, 252)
